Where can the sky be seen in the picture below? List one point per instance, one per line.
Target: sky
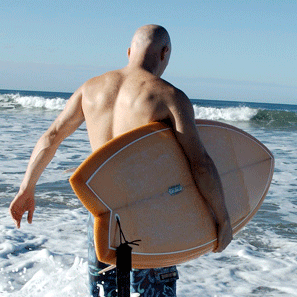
(223, 50)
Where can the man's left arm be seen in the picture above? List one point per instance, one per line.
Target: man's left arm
(65, 124)
(203, 168)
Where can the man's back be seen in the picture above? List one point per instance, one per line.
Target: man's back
(122, 100)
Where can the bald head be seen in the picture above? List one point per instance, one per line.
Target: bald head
(151, 48)
(149, 35)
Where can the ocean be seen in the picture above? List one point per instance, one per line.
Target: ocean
(49, 257)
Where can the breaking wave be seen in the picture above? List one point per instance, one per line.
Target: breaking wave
(258, 116)
(249, 114)
(17, 101)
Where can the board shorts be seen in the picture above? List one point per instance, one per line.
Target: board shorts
(158, 282)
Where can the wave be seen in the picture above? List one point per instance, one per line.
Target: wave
(17, 101)
(256, 116)
(230, 114)
(274, 117)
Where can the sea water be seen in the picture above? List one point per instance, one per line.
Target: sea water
(49, 257)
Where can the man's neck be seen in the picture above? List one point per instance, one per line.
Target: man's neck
(149, 64)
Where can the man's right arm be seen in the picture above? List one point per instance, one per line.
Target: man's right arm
(203, 169)
(64, 125)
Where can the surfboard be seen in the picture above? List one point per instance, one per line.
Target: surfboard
(143, 179)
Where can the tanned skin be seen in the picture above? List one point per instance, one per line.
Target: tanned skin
(122, 100)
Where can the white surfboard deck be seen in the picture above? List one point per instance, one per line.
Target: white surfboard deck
(143, 178)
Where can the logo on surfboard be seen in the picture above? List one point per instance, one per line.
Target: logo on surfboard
(174, 190)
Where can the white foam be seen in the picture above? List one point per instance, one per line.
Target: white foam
(41, 102)
(12, 100)
(53, 280)
(231, 114)
(34, 258)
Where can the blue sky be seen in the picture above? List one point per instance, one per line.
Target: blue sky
(228, 50)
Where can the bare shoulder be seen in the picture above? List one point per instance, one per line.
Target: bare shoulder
(172, 93)
(180, 110)
(101, 80)
(176, 100)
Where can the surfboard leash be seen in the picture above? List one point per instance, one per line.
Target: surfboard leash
(124, 263)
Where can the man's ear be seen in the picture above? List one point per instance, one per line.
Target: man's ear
(164, 51)
(129, 52)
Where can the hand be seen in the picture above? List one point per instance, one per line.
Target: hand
(23, 201)
(224, 236)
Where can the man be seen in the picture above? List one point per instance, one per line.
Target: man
(112, 104)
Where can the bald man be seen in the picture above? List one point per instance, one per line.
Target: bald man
(112, 104)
